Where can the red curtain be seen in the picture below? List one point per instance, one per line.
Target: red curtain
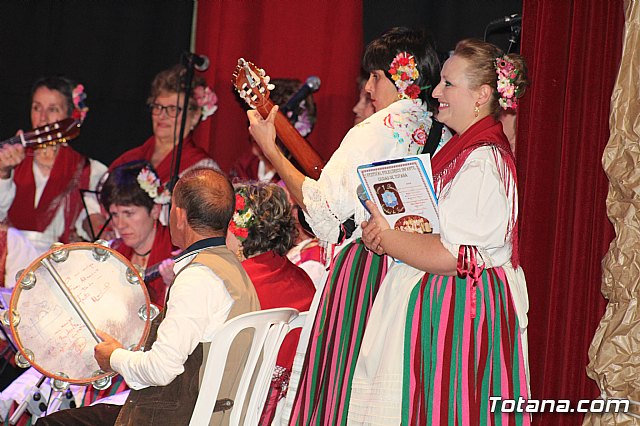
(289, 39)
(573, 52)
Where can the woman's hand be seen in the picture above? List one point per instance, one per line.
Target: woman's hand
(264, 131)
(373, 228)
(10, 157)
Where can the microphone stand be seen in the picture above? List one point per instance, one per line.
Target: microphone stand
(188, 62)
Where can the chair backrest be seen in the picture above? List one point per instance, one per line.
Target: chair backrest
(270, 327)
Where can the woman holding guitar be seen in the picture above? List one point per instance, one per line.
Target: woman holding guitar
(403, 68)
(39, 189)
(133, 196)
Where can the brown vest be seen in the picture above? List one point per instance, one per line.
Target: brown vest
(173, 404)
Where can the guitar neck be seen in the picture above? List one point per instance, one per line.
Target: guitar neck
(299, 147)
(152, 272)
(11, 141)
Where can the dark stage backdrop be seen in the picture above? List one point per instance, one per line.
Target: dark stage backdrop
(448, 21)
(113, 47)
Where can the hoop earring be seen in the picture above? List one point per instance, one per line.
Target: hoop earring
(476, 109)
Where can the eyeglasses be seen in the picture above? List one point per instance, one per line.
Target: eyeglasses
(171, 110)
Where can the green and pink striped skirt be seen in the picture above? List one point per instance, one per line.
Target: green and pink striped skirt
(463, 345)
(325, 382)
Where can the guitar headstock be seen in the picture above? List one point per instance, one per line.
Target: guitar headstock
(252, 83)
(52, 134)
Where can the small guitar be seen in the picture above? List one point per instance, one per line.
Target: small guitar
(253, 86)
(48, 135)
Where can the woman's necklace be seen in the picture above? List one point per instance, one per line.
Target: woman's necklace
(143, 254)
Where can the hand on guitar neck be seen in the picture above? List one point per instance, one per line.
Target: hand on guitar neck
(10, 157)
(266, 121)
(253, 86)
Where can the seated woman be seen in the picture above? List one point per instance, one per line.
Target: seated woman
(261, 232)
(39, 189)
(165, 104)
(133, 196)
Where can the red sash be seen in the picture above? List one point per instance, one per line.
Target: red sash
(160, 251)
(191, 154)
(3, 252)
(448, 161)
(71, 171)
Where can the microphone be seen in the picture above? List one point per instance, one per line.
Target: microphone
(199, 62)
(505, 21)
(311, 85)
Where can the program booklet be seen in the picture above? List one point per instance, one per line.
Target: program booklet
(402, 189)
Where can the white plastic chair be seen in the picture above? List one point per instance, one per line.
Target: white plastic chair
(284, 405)
(270, 328)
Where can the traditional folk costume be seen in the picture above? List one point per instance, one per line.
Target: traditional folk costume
(192, 157)
(280, 284)
(50, 209)
(210, 288)
(355, 274)
(16, 253)
(160, 250)
(309, 256)
(439, 346)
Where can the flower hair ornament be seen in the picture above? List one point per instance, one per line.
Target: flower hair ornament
(150, 183)
(206, 99)
(303, 123)
(507, 90)
(243, 216)
(80, 108)
(404, 72)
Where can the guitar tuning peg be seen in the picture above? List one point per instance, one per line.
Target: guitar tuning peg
(267, 79)
(271, 86)
(261, 72)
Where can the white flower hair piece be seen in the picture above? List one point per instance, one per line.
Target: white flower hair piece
(150, 183)
(207, 100)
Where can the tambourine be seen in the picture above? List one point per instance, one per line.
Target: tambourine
(60, 301)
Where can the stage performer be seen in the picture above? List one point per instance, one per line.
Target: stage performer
(134, 196)
(441, 344)
(403, 68)
(261, 232)
(165, 104)
(39, 188)
(210, 287)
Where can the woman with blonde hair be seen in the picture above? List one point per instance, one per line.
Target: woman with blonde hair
(450, 341)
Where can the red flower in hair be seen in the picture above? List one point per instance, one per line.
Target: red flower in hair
(239, 202)
(412, 91)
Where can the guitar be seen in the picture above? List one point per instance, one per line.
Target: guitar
(253, 86)
(48, 135)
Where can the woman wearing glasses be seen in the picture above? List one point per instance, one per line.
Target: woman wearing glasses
(165, 103)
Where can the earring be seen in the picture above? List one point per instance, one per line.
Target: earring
(476, 110)
(240, 254)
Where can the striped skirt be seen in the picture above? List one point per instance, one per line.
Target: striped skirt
(325, 383)
(463, 344)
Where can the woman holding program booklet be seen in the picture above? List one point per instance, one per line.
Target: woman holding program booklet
(440, 344)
